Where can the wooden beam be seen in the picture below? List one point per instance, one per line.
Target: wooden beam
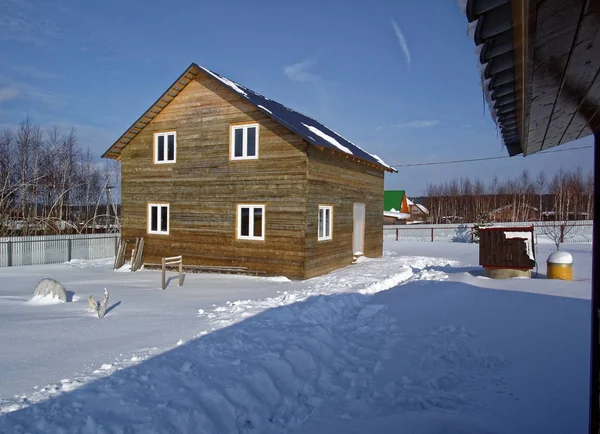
(523, 24)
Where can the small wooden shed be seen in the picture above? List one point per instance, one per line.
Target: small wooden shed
(506, 252)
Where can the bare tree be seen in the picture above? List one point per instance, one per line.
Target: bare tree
(558, 231)
(567, 196)
(47, 184)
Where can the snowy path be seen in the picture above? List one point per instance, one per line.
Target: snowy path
(441, 350)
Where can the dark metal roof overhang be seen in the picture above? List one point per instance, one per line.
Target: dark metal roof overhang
(540, 62)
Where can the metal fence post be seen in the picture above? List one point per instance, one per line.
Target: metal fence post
(9, 252)
(69, 249)
(432, 235)
(396, 234)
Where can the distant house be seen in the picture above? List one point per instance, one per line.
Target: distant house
(506, 213)
(418, 212)
(395, 207)
(227, 177)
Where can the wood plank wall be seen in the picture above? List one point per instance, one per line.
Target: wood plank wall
(203, 187)
(341, 182)
(497, 251)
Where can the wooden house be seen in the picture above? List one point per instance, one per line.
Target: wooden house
(508, 213)
(229, 178)
(418, 212)
(395, 207)
(399, 209)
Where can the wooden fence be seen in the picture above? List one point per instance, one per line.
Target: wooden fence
(56, 249)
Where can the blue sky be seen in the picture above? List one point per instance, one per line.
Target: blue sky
(398, 78)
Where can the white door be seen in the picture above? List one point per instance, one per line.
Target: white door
(358, 235)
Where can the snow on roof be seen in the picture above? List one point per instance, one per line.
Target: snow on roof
(238, 88)
(265, 109)
(397, 214)
(527, 236)
(409, 202)
(422, 208)
(330, 139)
(299, 123)
(560, 258)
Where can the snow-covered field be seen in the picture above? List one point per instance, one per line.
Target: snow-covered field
(415, 342)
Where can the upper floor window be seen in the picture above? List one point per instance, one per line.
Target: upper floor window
(325, 222)
(165, 147)
(415, 210)
(244, 142)
(158, 218)
(251, 222)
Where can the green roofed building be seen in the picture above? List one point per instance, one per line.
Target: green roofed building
(395, 200)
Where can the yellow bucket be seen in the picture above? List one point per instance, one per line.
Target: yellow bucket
(560, 266)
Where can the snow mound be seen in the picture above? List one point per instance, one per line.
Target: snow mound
(90, 263)
(49, 291)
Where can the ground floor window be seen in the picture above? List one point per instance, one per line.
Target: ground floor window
(158, 218)
(251, 222)
(325, 222)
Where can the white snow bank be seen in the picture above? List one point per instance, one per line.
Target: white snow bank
(91, 263)
(40, 300)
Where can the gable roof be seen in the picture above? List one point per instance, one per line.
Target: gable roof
(422, 208)
(314, 132)
(392, 199)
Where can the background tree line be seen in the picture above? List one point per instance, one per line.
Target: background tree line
(50, 185)
(568, 195)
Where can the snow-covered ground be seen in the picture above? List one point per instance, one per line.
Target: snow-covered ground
(417, 342)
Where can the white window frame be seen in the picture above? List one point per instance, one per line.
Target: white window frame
(251, 207)
(325, 236)
(159, 218)
(244, 128)
(166, 135)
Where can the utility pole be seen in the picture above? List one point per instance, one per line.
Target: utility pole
(108, 205)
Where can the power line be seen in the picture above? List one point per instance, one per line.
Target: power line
(434, 163)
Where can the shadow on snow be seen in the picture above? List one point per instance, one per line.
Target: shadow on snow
(430, 349)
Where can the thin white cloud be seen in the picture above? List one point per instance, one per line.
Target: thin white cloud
(25, 21)
(8, 93)
(300, 72)
(417, 124)
(34, 94)
(402, 42)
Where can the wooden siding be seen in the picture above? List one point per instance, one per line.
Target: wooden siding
(340, 182)
(204, 186)
(496, 251)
